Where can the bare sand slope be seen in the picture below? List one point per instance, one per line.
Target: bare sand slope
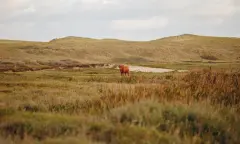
(153, 70)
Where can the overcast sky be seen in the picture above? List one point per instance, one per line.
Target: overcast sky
(43, 20)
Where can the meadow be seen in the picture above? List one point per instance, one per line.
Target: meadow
(59, 92)
(97, 105)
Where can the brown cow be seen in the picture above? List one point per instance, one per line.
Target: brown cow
(124, 69)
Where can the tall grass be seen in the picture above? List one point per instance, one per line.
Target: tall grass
(218, 87)
(197, 107)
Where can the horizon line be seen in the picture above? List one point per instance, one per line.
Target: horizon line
(111, 38)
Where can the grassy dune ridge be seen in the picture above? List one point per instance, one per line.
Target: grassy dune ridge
(74, 51)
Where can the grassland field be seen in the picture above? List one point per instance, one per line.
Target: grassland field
(95, 105)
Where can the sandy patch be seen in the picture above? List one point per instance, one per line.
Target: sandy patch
(153, 70)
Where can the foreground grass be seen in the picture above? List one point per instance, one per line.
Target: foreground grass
(99, 106)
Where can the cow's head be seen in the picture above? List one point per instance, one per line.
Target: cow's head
(121, 66)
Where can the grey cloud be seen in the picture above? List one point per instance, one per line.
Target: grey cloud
(44, 20)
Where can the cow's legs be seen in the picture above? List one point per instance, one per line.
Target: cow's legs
(122, 73)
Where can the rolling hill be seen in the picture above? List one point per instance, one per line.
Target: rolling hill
(79, 50)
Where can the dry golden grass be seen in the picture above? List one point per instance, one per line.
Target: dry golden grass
(100, 106)
(214, 86)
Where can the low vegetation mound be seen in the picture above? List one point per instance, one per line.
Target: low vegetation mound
(86, 50)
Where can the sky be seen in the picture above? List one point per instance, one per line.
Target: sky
(43, 20)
